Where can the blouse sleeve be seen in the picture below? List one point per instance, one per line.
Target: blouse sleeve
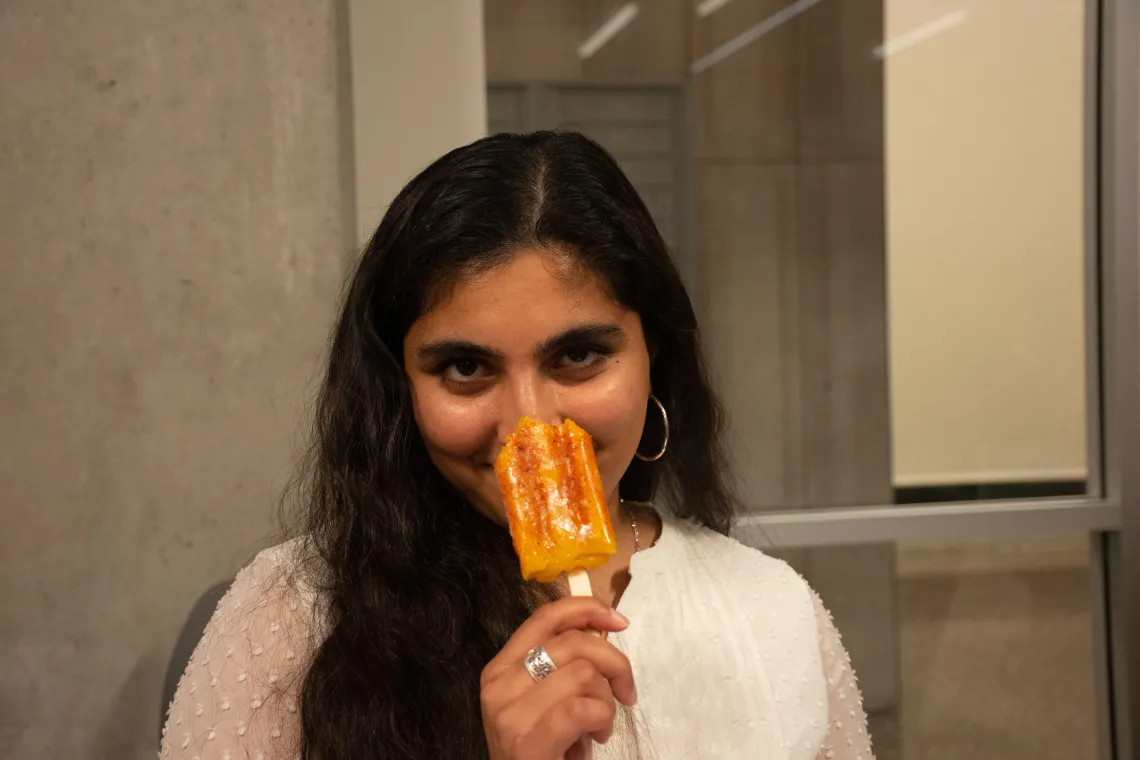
(238, 697)
(847, 737)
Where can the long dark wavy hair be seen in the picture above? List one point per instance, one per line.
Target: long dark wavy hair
(421, 589)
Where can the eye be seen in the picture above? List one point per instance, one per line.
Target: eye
(465, 367)
(579, 360)
(580, 355)
(464, 373)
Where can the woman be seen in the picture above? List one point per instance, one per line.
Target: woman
(520, 275)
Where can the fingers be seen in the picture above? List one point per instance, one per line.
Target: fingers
(560, 728)
(579, 679)
(583, 749)
(570, 647)
(531, 711)
(549, 620)
(577, 700)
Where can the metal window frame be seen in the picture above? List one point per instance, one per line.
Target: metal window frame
(935, 522)
(1120, 294)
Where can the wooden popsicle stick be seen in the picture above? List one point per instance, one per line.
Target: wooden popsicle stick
(579, 583)
(580, 586)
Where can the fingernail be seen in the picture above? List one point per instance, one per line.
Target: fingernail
(620, 618)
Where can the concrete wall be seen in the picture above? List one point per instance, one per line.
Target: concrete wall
(179, 208)
(176, 213)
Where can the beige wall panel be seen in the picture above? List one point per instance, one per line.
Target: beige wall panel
(845, 399)
(532, 41)
(651, 48)
(744, 106)
(747, 230)
(839, 82)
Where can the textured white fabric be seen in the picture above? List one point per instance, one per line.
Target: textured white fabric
(733, 654)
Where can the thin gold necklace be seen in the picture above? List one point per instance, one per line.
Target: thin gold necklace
(632, 524)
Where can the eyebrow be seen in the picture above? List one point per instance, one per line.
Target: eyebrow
(449, 348)
(590, 332)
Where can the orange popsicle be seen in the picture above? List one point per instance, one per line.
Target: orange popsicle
(556, 505)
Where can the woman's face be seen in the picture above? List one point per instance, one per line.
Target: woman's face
(536, 337)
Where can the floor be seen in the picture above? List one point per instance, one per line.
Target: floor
(995, 653)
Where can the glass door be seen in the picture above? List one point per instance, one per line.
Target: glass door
(906, 227)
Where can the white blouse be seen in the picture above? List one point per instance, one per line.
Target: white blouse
(733, 654)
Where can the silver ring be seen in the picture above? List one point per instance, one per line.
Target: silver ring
(538, 663)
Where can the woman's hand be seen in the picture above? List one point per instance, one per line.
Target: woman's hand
(555, 718)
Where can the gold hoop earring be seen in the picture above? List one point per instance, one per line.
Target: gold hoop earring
(664, 443)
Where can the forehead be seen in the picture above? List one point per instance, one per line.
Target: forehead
(534, 295)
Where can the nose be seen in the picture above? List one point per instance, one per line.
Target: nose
(529, 396)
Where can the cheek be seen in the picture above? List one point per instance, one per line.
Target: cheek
(613, 413)
(451, 426)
